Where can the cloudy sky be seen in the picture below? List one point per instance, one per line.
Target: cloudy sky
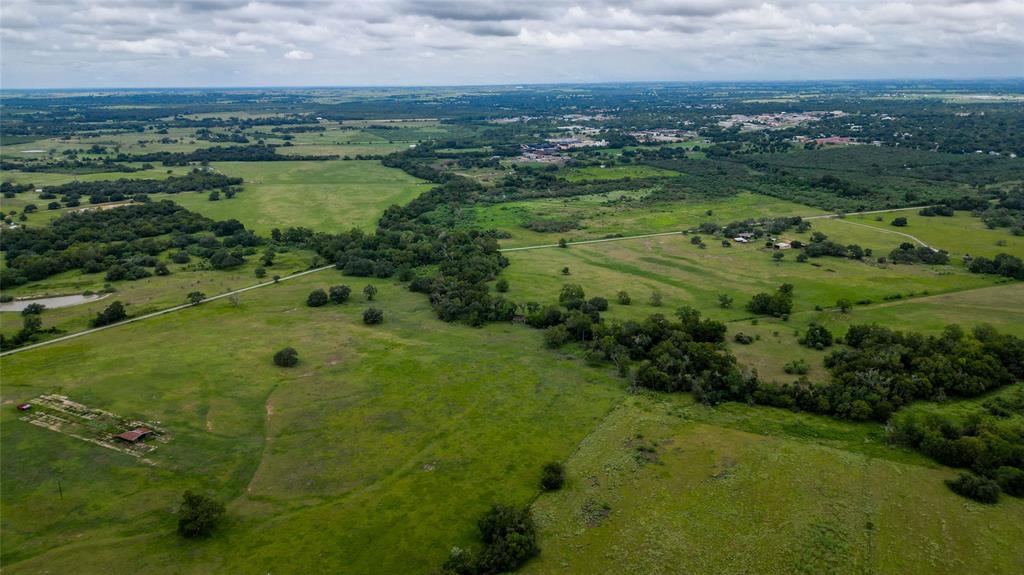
(135, 43)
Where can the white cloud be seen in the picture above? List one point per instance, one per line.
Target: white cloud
(298, 55)
(500, 41)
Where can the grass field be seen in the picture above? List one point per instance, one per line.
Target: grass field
(327, 196)
(719, 497)
(372, 456)
(599, 219)
(146, 295)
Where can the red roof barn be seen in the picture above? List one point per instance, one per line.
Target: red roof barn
(135, 435)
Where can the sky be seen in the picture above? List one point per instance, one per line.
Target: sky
(167, 43)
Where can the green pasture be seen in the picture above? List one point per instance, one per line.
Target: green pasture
(599, 219)
(729, 490)
(373, 455)
(145, 295)
(328, 196)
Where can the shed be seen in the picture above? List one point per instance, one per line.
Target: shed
(24, 407)
(135, 435)
(782, 245)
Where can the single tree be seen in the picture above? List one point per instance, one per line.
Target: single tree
(198, 515)
(501, 285)
(552, 476)
(195, 298)
(287, 357)
(373, 316)
(369, 291)
(656, 298)
(317, 298)
(33, 309)
(724, 300)
(623, 297)
(339, 294)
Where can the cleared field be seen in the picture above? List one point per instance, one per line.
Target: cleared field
(372, 456)
(712, 498)
(324, 196)
(598, 219)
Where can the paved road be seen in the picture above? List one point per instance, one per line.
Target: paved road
(158, 313)
(519, 249)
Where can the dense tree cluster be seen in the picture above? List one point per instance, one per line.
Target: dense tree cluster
(249, 153)
(122, 242)
(1002, 264)
(416, 235)
(989, 443)
(101, 191)
(778, 304)
(908, 253)
(882, 370)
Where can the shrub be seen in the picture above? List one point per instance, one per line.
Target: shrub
(287, 357)
(113, 313)
(181, 257)
(598, 303)
(373, 316)
(501, 285)
(742, 338)
(797, 367)
(198, 515)
(556, 336)
(980, 489)
(369, 291)
(339, 294)
(317, 298)
(1011, 480)
(552, 476)
(656, 298)
(33, 309)
(195, 297)
(623, 298)
(899, 222)
(817, 337)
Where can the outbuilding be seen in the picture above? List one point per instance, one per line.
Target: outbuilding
(782, 245)
(136, 435)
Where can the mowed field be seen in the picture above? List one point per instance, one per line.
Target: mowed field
(374, 455)
(329, 196)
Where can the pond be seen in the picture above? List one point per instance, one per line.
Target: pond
(51, 302)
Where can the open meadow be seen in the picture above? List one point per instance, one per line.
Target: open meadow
(328, 196)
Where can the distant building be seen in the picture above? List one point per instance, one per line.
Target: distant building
(740, 239)
(25, 407)
(782, 245)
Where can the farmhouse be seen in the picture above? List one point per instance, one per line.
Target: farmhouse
(781, 245)
(136, 435)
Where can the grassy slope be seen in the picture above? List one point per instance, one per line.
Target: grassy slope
(372, 455)
(724, 500)
(326, 196)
